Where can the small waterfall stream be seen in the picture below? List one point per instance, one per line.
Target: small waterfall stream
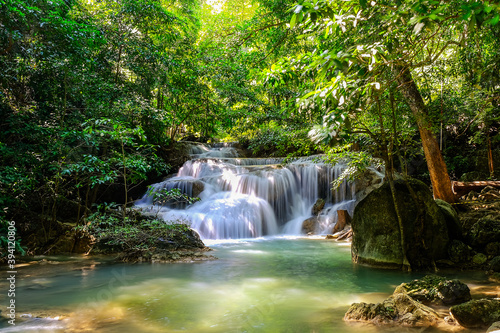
(251, 197)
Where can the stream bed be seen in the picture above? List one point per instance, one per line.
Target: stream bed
(272, 284)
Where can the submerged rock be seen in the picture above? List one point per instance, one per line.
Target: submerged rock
(398, 309)
(376, 233)
(477, 313)
(433, 289)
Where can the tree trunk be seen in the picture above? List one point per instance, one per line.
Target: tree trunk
(490, 159)
(440, 179)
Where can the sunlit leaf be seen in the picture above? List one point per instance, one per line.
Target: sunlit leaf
(418, 27)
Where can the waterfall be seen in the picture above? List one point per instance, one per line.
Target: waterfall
(250, 197)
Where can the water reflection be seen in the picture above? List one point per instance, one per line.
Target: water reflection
(265, 285)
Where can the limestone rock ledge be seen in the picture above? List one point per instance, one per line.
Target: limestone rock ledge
(399, 309)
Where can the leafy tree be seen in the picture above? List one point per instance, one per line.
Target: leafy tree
(384, 44)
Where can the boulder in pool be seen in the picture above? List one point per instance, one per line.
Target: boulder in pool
(376, 233)
(477, 313)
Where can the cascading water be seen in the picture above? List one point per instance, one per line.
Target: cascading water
(251, 197)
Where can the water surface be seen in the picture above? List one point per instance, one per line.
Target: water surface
(257, 285)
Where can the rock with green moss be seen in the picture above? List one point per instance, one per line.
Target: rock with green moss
(486, 230)
(477, 313)
(494, 264)
(318, 207)
(137, 237)
(376, 233)
(479, 259)
(492, 249)
(459, 252)
(398, 309)
(433, 289)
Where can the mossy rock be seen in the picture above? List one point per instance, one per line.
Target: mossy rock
(479, 259)
(459, 252)
(492, 249)
(139, 237)
(318, 207)
(495, 264)
(398, 309)
(433, 289)
(376, 233)
(477, 313)
(485, 230)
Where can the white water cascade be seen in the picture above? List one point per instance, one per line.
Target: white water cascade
(251, 197)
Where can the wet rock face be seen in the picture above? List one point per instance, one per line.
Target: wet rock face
(310, 226)
(477, 313)
(398, 309)
(433, 289)
(376, 233)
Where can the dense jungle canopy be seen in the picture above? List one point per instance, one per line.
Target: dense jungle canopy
(96, 93)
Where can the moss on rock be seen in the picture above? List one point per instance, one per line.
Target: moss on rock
(376, 234)
(398, 309)
(433, 289)
(137, 237)
(477, 313)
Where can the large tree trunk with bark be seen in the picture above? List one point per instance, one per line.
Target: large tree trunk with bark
(440, 179)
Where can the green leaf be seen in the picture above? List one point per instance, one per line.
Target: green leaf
(293, 20)
(418, 27)
(495, 19)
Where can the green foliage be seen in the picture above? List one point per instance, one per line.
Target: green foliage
(94, 93)
(357, 162)
(272, 139)
(134, 233)
(164, 196)
(6, 247)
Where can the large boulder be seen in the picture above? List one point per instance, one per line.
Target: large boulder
(398, 309)
(433, 289)
(376, 233)
(477, 313)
